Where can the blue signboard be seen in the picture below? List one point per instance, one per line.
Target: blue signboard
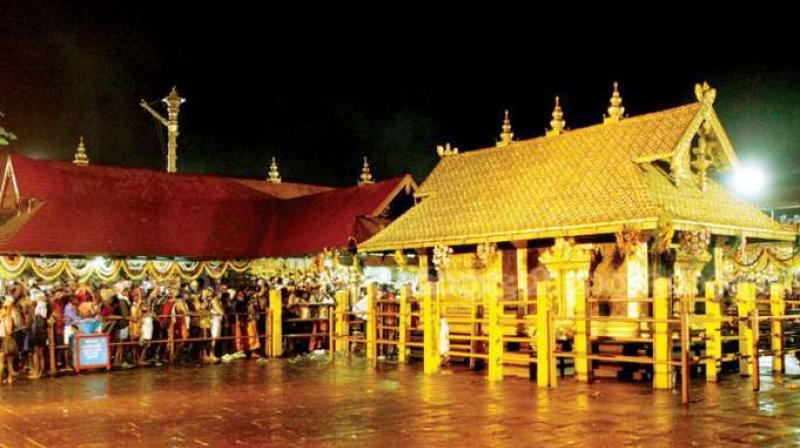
(92, 351)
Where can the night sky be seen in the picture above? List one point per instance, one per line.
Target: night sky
(321, 92)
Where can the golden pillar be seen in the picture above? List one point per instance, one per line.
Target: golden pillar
(342, 329)
(746, 300)
(568, 265)
(371, 326)
(662, 342)
(493, 306)
(403, 323)
(276, 308)
(713, 327)
(523, 297)
(546, 375)
(777, 308)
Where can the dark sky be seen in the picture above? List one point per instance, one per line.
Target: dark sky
(321, 90)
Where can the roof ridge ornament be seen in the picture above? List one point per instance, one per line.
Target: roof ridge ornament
(274, 175)
(446, 150)
(81, 158)
(366, 175)
(704, 93)
(616, 110)
(506, 136)
(558, 123)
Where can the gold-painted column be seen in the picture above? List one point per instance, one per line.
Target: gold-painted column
(745, 297)
(371, 327)
(403, 322)
(430, 326)
(494, 311)
(662, 342)
(523, 298)
(777, 307)
(568, 267)
(582, 332)
(276, 308)
(713, 327)
(545, 339)
(342, 330)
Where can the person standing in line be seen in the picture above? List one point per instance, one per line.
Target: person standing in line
(8, 345)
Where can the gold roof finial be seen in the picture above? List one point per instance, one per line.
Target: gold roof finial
(446, 150)
(81, 158)
(704, 93)
(557, 124)
(274, 175)
(366, 175)
(616, 110)
(506, 136)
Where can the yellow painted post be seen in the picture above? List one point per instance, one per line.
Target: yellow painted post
(777, 308)
(545, 356)
(662, 342)
(403, 321)
(276, 311)
(494, 311)
(371, 329)
(523, 298)
(745, 297)
(713, 327)
(582, 326)
(342, 329)
(430, 323)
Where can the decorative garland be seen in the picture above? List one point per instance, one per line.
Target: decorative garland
(50, 269)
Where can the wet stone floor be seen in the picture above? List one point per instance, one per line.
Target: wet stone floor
(347, 403)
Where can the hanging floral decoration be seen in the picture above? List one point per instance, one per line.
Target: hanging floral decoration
(109, 269)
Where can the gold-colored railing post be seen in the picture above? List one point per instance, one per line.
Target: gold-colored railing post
(276, 312)
(545, 356)
(745, 298)
(662, 342)
(713, 327)
(403, 322)
(754, 349)
(171, 341)
(51, 337)
(685, 348)
(430, 324)
(371, 327)
(342, 329)
(582, 329)
(495, 311)
(778, 309)
(331, 331)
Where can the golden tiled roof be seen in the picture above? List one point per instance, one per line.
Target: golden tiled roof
(585, 181)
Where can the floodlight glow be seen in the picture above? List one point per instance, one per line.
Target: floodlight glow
(749, 181)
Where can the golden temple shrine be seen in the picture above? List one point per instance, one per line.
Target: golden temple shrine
(608, 250)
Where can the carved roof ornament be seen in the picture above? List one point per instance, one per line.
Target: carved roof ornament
(274, 175)
(366, 175)
(565, 254)
(485, 254)
(441, 256)
(557, 124)
(615, 110)
(704, 93)
(693, 246)
(702, 156)
(400, 258)
(506, 136)
(81, 158)
(627, 240)
(446, 150)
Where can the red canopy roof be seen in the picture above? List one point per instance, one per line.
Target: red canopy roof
(98, 210)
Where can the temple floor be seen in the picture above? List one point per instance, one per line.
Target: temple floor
(283, 403)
